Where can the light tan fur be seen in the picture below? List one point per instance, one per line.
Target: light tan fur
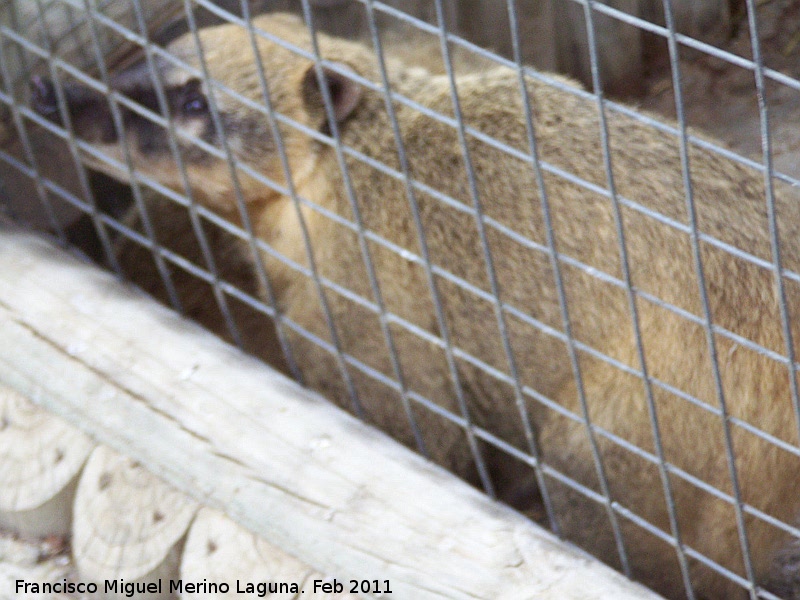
(730, 206)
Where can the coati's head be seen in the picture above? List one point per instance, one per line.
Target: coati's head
(295, 91)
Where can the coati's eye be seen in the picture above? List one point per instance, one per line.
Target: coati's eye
(193, 102)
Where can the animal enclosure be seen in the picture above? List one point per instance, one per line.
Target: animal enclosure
(586, 309)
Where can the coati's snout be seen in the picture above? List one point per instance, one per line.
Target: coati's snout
(138, 121)
(86, 109)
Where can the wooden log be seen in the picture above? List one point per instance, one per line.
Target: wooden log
(127, 525)
(280, 461)
(42, 457)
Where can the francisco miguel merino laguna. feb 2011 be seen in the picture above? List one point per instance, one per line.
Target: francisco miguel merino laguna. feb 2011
(259, 589)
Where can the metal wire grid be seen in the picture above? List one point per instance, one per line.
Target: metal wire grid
(527, 77)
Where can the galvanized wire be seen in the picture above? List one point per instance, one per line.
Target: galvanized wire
(769, 174)
(530, 435)
(80, 170)
(625, 265)
(197, 228)
(245, 217)
(333, 127)
(261, 271)
(119, 126)
(484, 224)
(233, 229)
(28, 151)
(706, 305)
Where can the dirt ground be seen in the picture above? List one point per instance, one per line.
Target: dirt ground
(37, 561)
(720, 97)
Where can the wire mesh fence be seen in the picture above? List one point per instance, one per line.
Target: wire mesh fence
(587, 310)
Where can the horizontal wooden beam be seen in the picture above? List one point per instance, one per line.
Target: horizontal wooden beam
(279, 460)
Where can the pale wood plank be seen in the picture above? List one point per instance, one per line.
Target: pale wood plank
(277, 459)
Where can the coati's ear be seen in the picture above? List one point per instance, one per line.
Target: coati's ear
(345, 93)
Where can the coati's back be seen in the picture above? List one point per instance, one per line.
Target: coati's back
(735, 254)
(730, 211)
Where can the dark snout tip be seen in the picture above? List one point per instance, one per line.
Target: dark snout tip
(43, 96)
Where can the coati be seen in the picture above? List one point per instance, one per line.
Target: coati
(455, 357)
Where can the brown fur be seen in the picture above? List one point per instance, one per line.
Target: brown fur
(174, 232)
(730, 206)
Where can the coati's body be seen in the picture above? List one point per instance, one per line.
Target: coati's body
(742, 296)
